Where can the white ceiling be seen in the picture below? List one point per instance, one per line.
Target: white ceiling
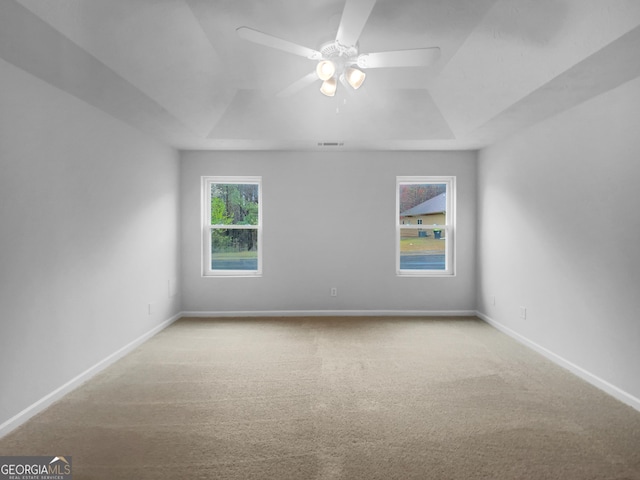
(177, 69)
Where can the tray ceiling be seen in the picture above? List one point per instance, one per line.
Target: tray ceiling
(177, 70)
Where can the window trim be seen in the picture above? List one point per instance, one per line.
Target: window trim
(206, 227)
(449, 227)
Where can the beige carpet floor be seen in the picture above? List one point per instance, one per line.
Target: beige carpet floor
(336, 398)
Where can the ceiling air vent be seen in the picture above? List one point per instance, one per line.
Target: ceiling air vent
(330, 144)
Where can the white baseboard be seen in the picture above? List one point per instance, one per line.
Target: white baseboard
(37, 407)
(594, 380)
(334, 313)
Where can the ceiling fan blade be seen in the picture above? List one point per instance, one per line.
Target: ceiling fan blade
(418, 57)
(267, 40)
(354, 17)
(298, 85)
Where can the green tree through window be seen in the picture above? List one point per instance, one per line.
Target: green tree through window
(233, 228)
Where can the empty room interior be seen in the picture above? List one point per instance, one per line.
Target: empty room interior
(334, 239)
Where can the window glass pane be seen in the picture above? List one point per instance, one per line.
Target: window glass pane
(234, 204)
(423, 203)
(234, 249)
(422, 249)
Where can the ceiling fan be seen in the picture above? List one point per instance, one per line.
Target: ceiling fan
(340, 59)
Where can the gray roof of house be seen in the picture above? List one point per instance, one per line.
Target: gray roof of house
(437, 204)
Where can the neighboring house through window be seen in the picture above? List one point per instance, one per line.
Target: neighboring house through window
(232, 226)
(425, 226)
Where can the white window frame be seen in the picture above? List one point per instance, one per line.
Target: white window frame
(207, 271)
(449, 228)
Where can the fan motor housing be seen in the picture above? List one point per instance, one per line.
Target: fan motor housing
(332, 50)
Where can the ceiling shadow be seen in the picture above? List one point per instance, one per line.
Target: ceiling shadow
(532, 22)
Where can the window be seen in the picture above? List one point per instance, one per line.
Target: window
(232, 226)
(425, 224)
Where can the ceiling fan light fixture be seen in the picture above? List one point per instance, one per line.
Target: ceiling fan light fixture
(355, 77)
(340, 59)
(329, 87)
(325, 69)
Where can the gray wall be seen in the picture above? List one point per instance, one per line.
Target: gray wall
(88, 237)
(328, 222)
(559, 233)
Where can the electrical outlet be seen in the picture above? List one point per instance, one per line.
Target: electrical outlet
(149, 308)
(334, 292)
(523, 313)
(493, 300)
